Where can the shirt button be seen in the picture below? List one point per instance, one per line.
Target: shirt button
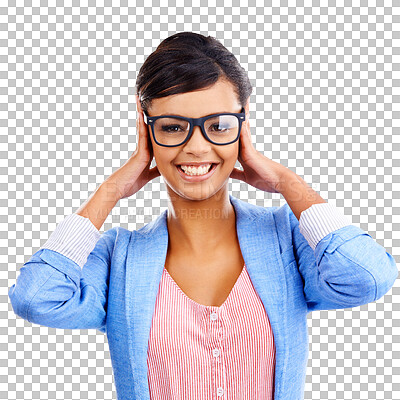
(220, 391)
(216, 353)
(214, 316)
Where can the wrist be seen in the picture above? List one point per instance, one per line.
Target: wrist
(99, 205)
(295, 189)
(109, 191)
(286, 177)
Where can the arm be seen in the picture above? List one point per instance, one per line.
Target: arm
(55, 291)
(342, 266)
(347, 268)
(341, 269)
(65, 284)
(297, 193)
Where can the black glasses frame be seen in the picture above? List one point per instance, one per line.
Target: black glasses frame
(195, 122)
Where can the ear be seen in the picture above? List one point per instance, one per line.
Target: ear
(138, 106)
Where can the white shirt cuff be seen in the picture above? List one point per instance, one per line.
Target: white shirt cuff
(75, 237)
(319, 220)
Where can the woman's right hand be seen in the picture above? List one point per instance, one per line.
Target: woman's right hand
(136, 172)
(125, 181)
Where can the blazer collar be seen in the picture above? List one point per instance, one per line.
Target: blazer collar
(146, 256)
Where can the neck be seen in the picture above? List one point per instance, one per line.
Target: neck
(198, 227)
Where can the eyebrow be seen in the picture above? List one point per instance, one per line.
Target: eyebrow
(178, 115)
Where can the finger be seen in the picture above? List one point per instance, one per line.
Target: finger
(142, 125)
(142, 130)
(154, 173)
(138, 141)
(246, 136)
(138, 126)
(147, 135)
(242, 141)
(237, 174)
(246, 146)
(139, 111)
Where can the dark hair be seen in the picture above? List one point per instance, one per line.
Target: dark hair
(188, 61)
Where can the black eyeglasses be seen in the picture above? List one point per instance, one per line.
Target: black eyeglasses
(172, 130)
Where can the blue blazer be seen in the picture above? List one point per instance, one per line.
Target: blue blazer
(115, 291)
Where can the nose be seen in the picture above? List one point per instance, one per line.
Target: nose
(197, 143)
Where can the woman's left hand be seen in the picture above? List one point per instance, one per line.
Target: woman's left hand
(258, 171)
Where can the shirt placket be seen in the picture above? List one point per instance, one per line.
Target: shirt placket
(217, 353)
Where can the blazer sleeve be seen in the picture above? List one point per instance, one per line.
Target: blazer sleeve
(53, 290)
(347, 268)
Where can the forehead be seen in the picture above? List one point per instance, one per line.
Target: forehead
(218, 98)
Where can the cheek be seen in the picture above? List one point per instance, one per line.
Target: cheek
(235, 152)
(230, 158)
(164, 160)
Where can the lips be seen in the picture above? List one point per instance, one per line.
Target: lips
(194, 164)
(196, 178)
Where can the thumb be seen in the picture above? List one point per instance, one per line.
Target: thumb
(237, 174)
(154, 173)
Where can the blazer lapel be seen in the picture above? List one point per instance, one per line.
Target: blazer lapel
(259, 244)
(147, 252)
(144, 266)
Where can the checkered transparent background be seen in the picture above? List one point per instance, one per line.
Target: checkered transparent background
(325, 77)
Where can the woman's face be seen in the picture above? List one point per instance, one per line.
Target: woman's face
(217, 99)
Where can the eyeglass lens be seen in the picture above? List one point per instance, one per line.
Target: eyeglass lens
(173, 131)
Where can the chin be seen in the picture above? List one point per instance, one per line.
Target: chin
(195, 195)
(198, 193)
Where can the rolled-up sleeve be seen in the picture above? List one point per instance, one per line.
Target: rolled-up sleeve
(341, 266)
(319, 220)
(65, 283)
(74, 237)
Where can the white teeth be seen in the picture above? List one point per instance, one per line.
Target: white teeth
(196, 170)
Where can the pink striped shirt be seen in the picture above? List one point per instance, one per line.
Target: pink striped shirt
(207, 352)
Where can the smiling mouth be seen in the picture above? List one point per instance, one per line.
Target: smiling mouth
(194, 174)
(196, 171)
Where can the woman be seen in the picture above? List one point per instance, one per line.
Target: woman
(210, 300)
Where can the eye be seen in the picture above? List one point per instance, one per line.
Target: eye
(171, 128)
(219, 127)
